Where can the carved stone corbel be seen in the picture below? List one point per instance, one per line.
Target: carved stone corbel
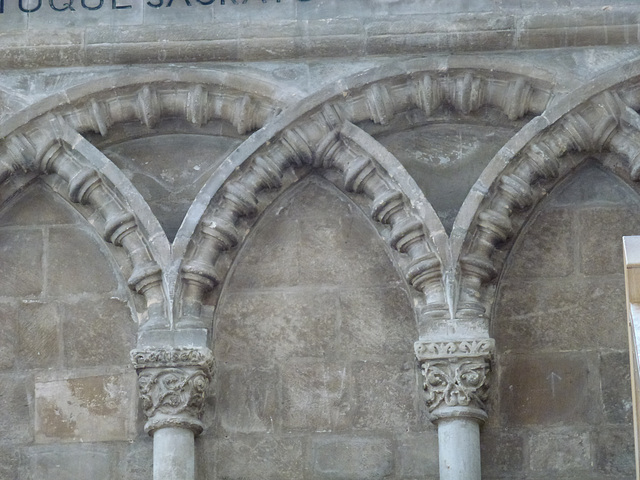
(456, 377)
(172, 385)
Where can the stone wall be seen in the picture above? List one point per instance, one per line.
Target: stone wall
(308, 219)
(106, 32)
(311, 339)
(69, 396)
(562, 404)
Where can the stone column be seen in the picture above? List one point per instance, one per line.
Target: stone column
(456, 381)
(172, 385)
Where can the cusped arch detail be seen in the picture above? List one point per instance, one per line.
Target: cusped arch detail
(319, 134)
(358, 165)
(47, 138)
(599, 117)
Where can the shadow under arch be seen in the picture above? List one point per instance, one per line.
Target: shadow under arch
(304, 352)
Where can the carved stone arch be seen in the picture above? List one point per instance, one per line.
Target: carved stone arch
(599, 117)
(46, 138)
(316, 134)
(356, 168)
(147, 95)
(49, 146)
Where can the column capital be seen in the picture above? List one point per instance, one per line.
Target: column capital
(456, 376)
(172, 384)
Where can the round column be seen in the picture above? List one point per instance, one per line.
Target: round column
(456, 375)
(172, 385)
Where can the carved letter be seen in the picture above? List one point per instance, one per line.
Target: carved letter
(22, 9)
(99, 6)
(115, 6)
(66, 6)
(155, 5)
(203, 2)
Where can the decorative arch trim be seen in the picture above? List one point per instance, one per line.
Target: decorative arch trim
(594, 118)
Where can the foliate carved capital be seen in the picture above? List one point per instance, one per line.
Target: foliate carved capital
(456, 376)
(172, 383)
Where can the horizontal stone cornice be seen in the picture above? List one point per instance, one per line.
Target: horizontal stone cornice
(395, 32)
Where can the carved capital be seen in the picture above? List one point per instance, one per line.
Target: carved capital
(172, 384)
(456, 376)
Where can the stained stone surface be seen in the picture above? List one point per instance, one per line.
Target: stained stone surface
(64, 349)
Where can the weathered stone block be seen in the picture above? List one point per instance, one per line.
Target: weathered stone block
(91, 270)
(338, 245)
(317, 396)
(63, 462)
(417, 455)
(389, 396)
(551, 388)
(139, 458)
(16, 399)
(21, 262)
(86, 409)
(313, 235)
(591, 186)
(260, 456)
(9, 462)
(247, 399)
(350, 457)
(545, 248)
(615, 377)
(563, 451)
(502, 452)
(37, 331)
(37, 206)
(8, 338)
(601, 232)
(274, 326)
(560, 315)
(376, 321)
(270, 256)
(98, 332)
(615, 451)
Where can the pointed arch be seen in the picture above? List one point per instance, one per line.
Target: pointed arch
(46, 138)
(320, 133)
(594, 118)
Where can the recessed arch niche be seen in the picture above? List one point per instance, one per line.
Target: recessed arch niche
(312, 339)
(562, 399)
(70, 406)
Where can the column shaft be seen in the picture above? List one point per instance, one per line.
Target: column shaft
(173, 454)
(459, 448)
